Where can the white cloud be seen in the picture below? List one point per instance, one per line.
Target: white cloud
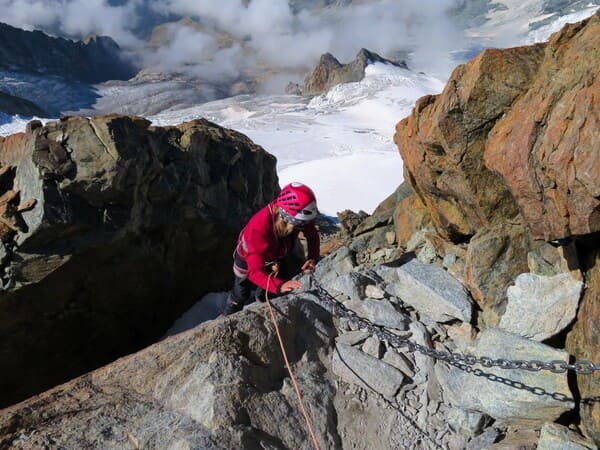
(267, 31)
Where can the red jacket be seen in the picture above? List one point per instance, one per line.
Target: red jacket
(259, 244)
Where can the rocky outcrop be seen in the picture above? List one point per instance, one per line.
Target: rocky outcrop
(547, 147)
(95, 59)
(443, 141)
(224, 384)
(131, 225)
(506, 162)
(330, 72)
(501, 141)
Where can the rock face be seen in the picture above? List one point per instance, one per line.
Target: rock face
(330, 71)
(443, 141)
(547, 146)
(553, 300)
(131, 225)
(507, 161)
(219, 386)
(95, 59)
(584, 339)
(223, 384)
(501, 141)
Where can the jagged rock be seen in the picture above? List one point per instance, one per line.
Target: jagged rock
(431, 291)
(523, 439)
(356, 367)
(513, 401)
(157, 209)
(558, 437)
(583, 341)
(340, 262)
(423, 364)
(410, 216)
(350, 220)
(443, 141)
(351, 284)
(547, 259)
(462, 336)
(495, 256)
(390, 204)
(540, 307)
(551, 127)
(352, 337)
(222, 385)
(400, 362)
(372, 346)
(380, 312)
(484, 440)
(469, 423)
(330, 71)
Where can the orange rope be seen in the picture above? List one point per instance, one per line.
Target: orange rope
(289, 368)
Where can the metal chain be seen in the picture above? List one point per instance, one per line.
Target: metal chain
(581, 367)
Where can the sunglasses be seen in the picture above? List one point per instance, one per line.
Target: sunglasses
(297, 223)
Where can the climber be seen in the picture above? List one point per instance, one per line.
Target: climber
(269, 236)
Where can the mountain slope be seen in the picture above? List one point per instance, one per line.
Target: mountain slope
(95, 59)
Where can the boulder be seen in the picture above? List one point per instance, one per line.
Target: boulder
(380, 312)
(540, 307)
(221, 385)
(132, 224)
(431, 291)
(558, 437)
(355, 366)
(511, 396)
(547, 148)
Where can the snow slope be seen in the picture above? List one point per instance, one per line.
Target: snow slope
(334, 142)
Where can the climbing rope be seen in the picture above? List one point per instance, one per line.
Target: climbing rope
(581, 367)
(289, 368)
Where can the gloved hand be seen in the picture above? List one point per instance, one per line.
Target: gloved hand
(309, 266)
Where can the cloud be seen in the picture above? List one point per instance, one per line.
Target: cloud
(193, 52)
(293, 42)
(266, 33)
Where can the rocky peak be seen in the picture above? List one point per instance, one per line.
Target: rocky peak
(157, 209)
(330, 71)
